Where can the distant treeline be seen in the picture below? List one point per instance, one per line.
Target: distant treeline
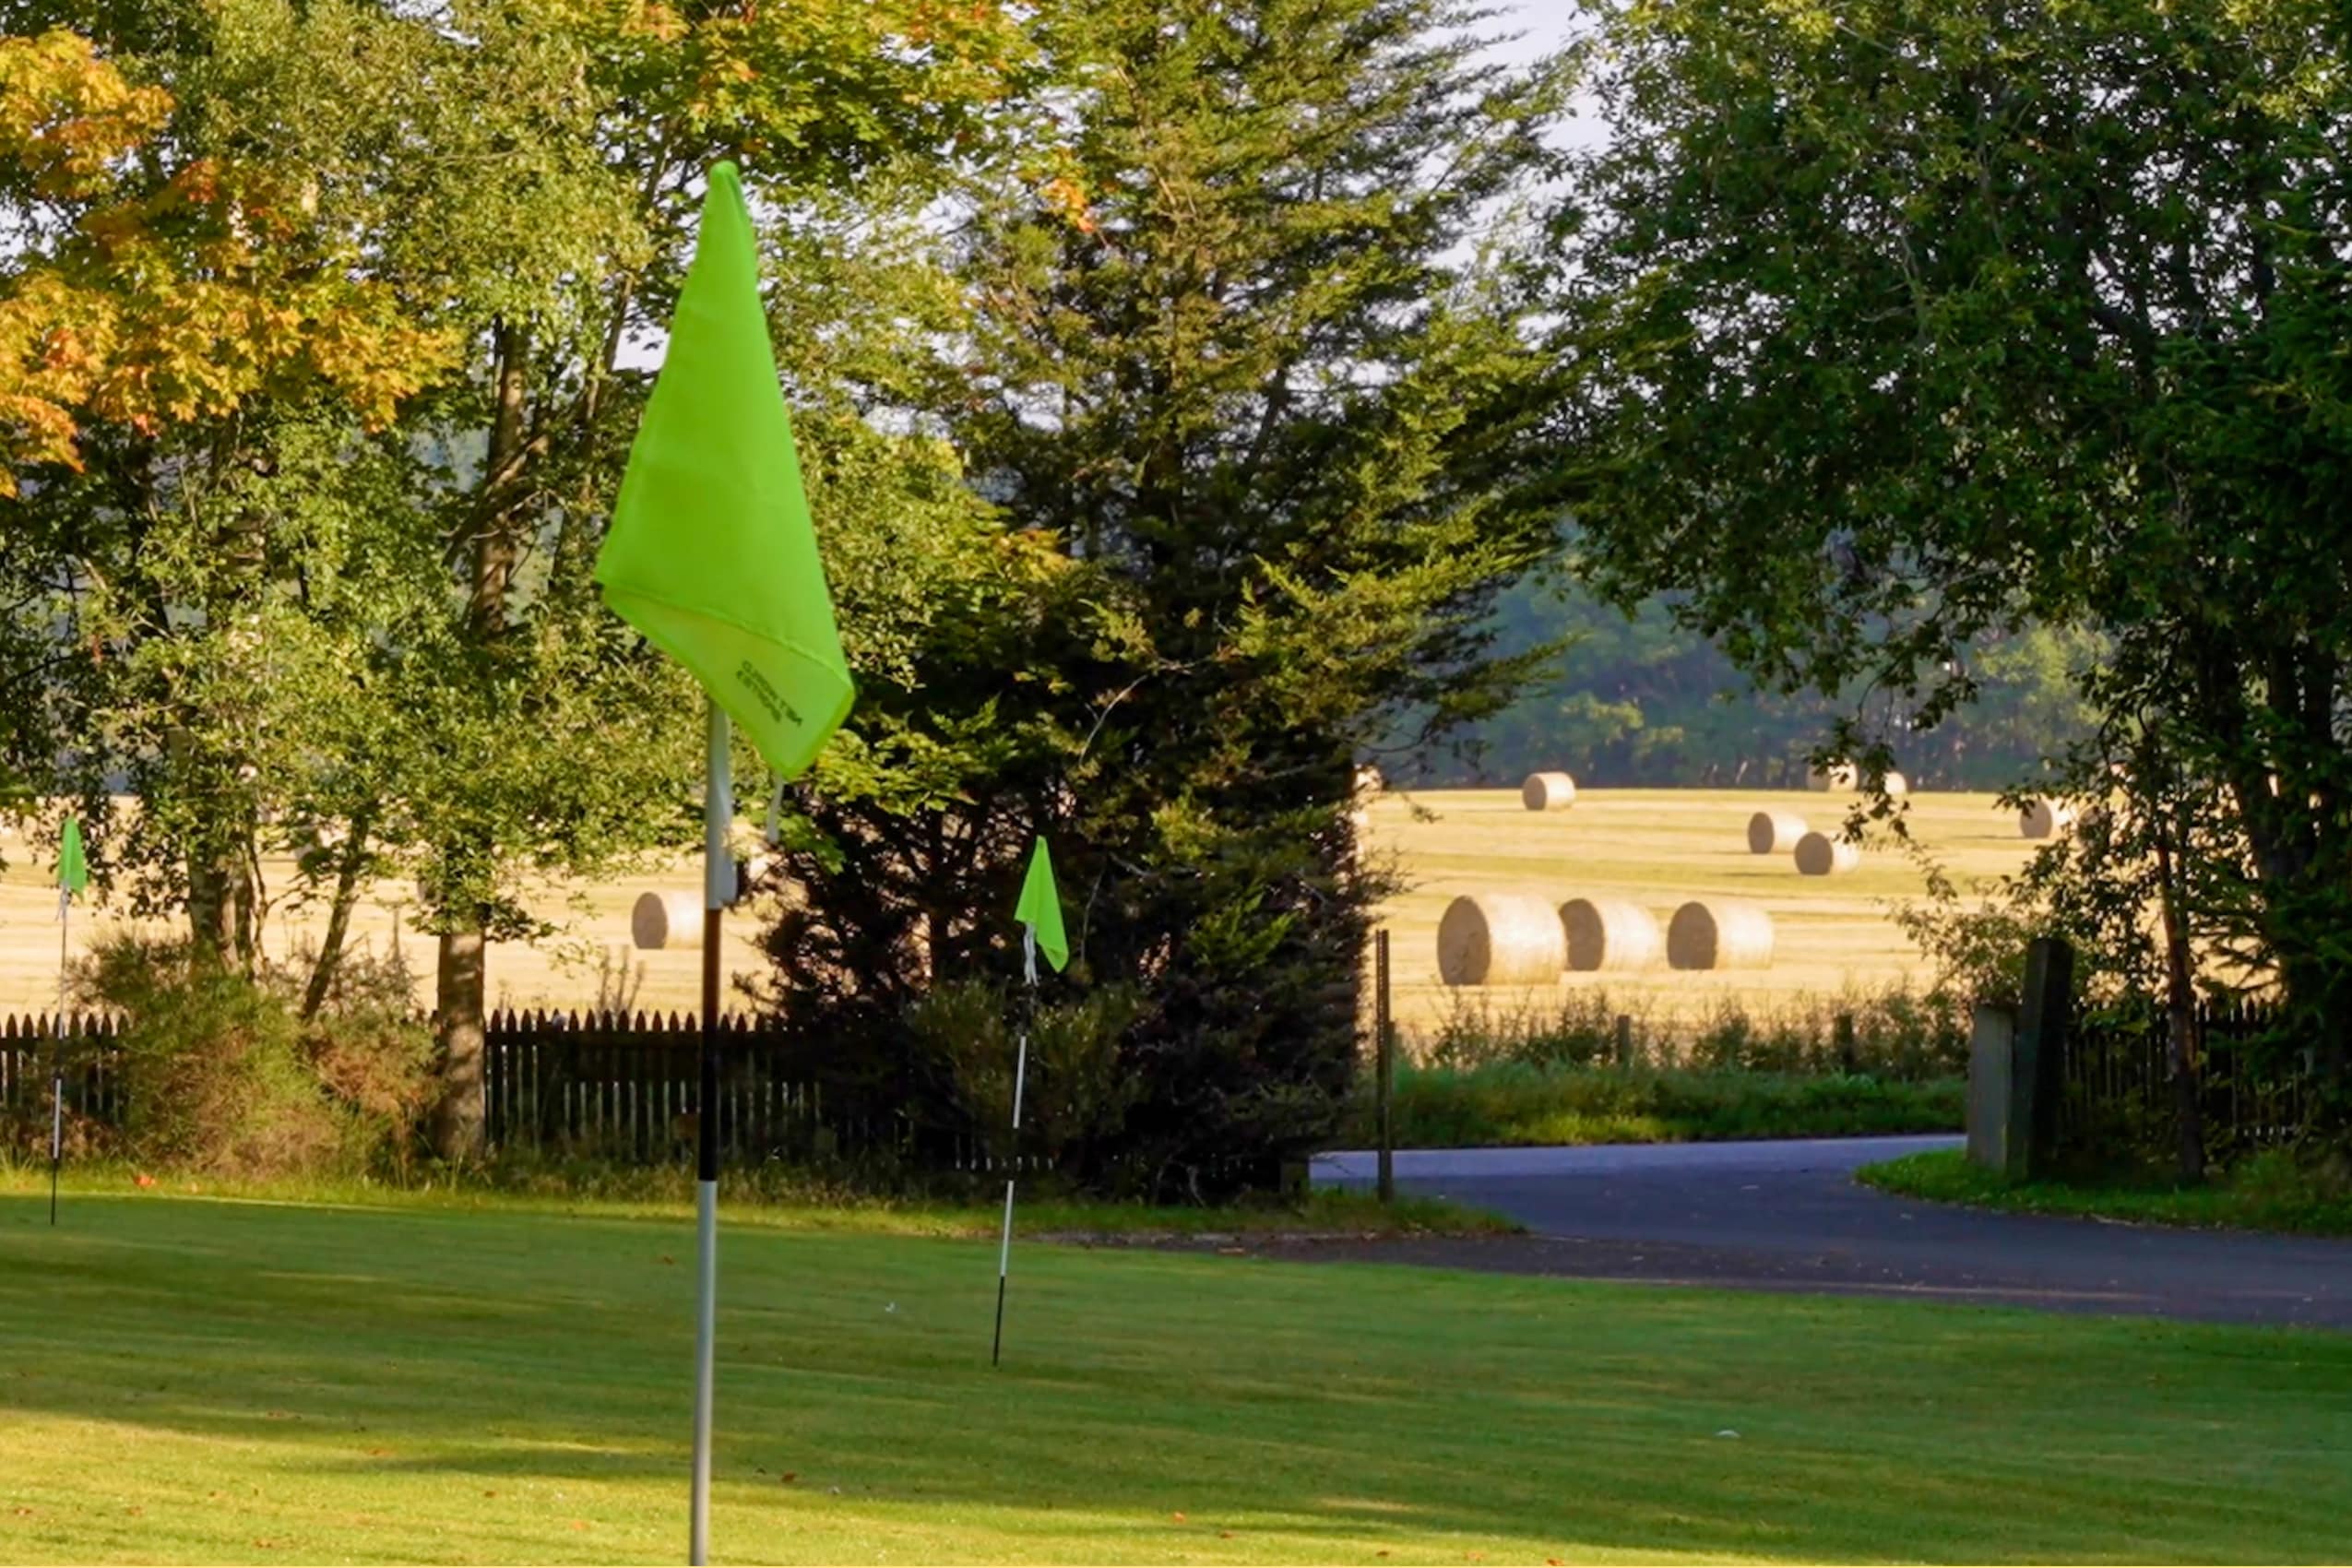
(1647, 702)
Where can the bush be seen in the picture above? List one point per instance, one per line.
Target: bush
(1077, 1093)
(221, 1074)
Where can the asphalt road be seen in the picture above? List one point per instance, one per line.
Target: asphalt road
(1790, 1216)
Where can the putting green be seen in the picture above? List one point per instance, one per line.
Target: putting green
(237, 1381)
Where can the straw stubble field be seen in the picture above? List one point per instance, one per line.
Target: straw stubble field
(1659, 847)
(1653, 847)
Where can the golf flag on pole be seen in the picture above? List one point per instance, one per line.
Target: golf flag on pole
(73, 871)
(1041, 910)
(712, 557)
(711, 553)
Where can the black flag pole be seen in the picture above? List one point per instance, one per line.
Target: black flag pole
(1020, 1080)
(719, 891)
(57, 1051)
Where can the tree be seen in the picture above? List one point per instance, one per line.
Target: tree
(1246, 378)
(510, 184)
(193, 355)
(1640, 699)
(816, 101)
(1900, 324)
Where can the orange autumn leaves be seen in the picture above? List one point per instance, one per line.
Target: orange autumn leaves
(145, 303)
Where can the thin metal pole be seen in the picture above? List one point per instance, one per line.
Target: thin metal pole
(1383, 1065)
(58, 1052)
(718, 890)
(1005, 1247)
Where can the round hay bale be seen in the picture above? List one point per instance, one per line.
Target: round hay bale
(1369, 781)
(1820, 855)
(1719, 935)
(1501, 939)
(1836, 776)
(2045, 819)
(1610, 934)
(667, 921)
(1896, 784)
(1770, 832)
(1548, 792)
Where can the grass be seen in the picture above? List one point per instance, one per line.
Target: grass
(778, 1200)
(2268, 1192)
(204, 1381)
(1510, 1103)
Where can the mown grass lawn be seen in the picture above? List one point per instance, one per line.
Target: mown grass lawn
(2270, 1191)
(204, 1381)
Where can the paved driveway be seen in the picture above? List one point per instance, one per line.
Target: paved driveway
(1789, 1216)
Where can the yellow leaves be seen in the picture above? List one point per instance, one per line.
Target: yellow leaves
(53, 341)
(144, 333)
(655, 20)
(179, 302)
(1066, 199)
(65, 114)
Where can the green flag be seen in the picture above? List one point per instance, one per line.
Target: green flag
(710, 554)
(72, 871)
(1041, 908)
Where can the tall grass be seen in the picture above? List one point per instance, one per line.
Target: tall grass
(1514, 1103)
(1590, 1068)
(1894, 1033)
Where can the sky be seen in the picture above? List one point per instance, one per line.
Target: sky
(1543, 26)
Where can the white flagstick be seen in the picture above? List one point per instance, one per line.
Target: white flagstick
(1020, 1078)
(719, 891)
(57, 1059)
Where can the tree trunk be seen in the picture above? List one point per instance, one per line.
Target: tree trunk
(460, 988)
(339, 918)
(458, 1120)
(212, 904)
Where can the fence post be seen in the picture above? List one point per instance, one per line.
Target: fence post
(1841, 1031)
(2040, 1059)
(1997, 1109)
(1383, 1065)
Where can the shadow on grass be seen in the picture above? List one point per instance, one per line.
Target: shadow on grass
(425, 1357)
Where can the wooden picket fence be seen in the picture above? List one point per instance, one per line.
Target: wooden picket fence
(32, 1045)
(612, 1085)
(626, 1086)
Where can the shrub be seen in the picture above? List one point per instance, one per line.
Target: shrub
(222, 1073)
(1077, 1093)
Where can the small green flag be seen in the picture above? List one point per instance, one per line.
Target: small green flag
(1041, 908)
(72, 871)
(710, 554)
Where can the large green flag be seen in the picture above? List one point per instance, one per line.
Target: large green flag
(711, 554)
(1041, 908)
(73, 871)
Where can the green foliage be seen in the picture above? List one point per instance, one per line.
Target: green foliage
(1078, 1091)
(1252, 417)
(222, 1075)
(321, 398)
(1894, 1033)
(1900, 331)
(1639, 698)
(1512, 1102)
